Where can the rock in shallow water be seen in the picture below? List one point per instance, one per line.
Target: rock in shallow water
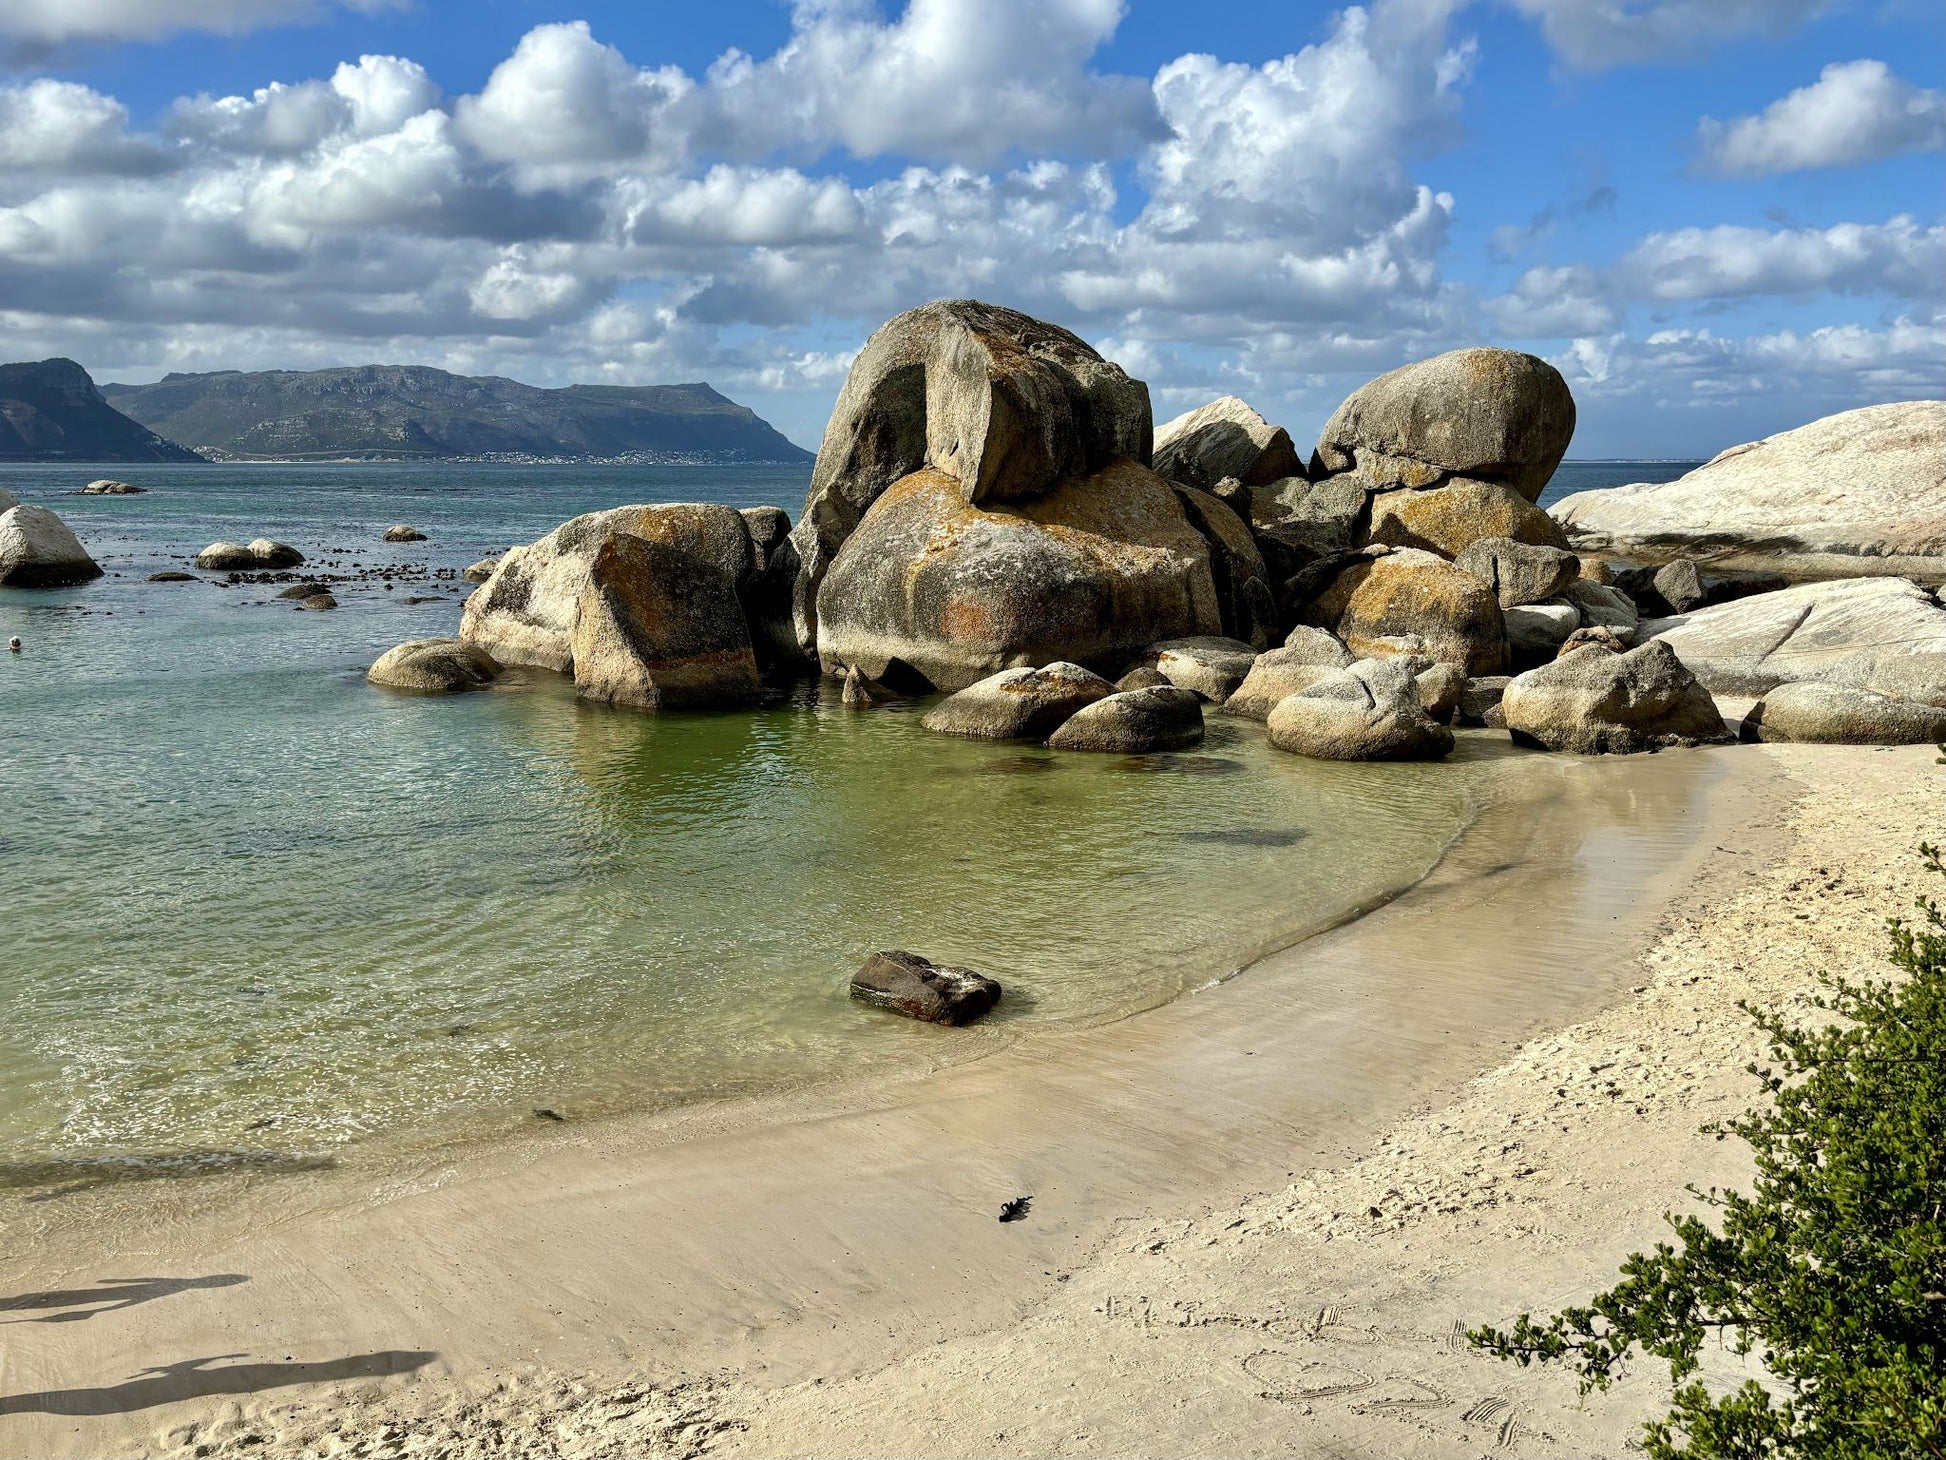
(258, 553)
(434, 666)
(1206, 665)
(481, 571)
(404, 533)
(920, 989)
(1135, 722)
(1018, 704)
(659, 628)
(38, 551)
(1277, 675)
(1371, 711)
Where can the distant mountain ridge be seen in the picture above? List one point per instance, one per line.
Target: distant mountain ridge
(408, 411)
(50, 410)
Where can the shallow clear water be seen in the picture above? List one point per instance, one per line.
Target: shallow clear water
(254, 908)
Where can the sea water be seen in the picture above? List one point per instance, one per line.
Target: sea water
(253, 909)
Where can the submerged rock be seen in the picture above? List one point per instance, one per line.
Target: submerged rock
(1371, 711)
(1134, 722)
(659, 628)
(172, 577)
(1596, 702)
(1831, 714)
(1492, 415)
(320, 602)
(434, 666)
(1018, 704)
(1225, 438)
(38, 551)
(920, 989)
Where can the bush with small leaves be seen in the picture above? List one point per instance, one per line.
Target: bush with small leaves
(1832, 1270)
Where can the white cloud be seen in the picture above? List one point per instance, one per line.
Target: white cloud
(1855, 112)
(376, 96)
(1554, 303)
(42, 23)
(563, 97)
(951, 80)
(1595, 34)
(1898, 257)
(62, 128)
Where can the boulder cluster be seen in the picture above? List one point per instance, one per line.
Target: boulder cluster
(994, 516)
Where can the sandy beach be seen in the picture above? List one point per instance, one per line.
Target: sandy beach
(1261, 1214)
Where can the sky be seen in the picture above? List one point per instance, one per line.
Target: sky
(1718, 218)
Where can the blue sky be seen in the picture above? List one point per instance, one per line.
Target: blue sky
(1721, 218)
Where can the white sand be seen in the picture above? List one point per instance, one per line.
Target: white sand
(1202, 1272)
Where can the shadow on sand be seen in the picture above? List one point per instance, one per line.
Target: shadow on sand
(195, 1379)
(107, 1296)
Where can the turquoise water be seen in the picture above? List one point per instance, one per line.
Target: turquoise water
(257, 910)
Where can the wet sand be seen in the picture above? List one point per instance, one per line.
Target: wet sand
(828, 1276)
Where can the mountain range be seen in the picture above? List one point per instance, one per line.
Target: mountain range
(50, 410)
(408, 411)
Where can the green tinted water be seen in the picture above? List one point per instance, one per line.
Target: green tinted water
(256, 910)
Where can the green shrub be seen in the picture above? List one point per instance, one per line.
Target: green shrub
(1832, 1270)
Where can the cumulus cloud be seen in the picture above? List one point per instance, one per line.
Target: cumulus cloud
(1899, 257)
(38, 24)
(1855, 112)
(1594, 34)
(62, 128)
(378, 95)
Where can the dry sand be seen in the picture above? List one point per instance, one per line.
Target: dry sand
(1262, 1215)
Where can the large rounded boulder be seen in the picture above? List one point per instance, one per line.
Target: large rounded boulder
(525, 612)
(434, 667)
(1593, 701)
(38, 551)
(659, 628)
(1412, 602)
(1134, 722)
(931, 588)
(1491, 415)
(1369, 711)
(1004, 405)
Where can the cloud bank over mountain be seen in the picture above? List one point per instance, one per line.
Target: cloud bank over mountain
(1261, 226)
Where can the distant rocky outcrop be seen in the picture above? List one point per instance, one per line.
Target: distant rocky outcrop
(51, 411)
(38, 551)
(1862, 492)
(406, 411)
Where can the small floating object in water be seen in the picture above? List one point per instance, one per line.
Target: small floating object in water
(545, 1114)
(1015, 1210)
(14, 643)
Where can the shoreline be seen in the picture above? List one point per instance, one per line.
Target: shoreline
(751, 1246)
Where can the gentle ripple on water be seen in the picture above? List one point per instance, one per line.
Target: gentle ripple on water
(256, 909)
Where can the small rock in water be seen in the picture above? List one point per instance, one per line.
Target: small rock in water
(107, 488)
(543, 1113)
(318, 602)
(1016, 1209)
(172, 577)
(304, 590)
(403, 533)
(921, 989)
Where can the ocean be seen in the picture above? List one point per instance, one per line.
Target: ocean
(260, 913)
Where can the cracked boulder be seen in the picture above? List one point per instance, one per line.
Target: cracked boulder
(1369, 711)
(1225, 438)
